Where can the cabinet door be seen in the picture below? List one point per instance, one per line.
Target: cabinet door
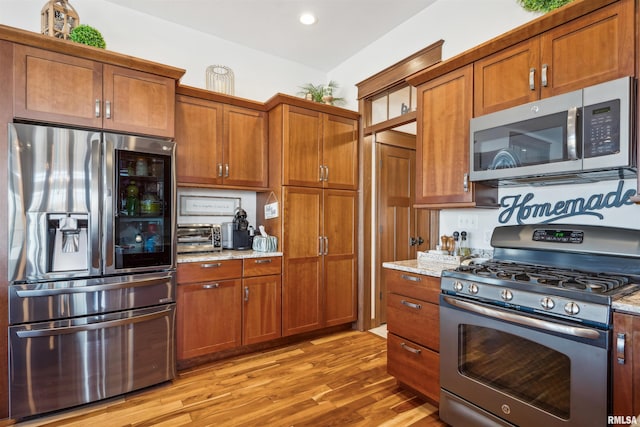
(302, 276)
(442, 152)
(340, 256)
(626, 375)
(261, 316)
(593, 49)
(302, 147)
(199, 141)
(506, 78)
(209, 317)
(138, 102)
(57, 88)
(340, 152)
(245, 150)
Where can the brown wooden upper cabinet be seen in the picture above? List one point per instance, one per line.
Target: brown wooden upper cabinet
(220, 144)
(57, 88)
(442, 154)
(591, 49)
(319, 149)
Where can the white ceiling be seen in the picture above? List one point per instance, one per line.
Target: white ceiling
(343, 28)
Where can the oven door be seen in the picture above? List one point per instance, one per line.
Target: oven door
(500, 367)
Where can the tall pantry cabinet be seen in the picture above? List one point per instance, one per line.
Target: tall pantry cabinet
(313, 176)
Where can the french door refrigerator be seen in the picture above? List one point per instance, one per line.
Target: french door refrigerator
(91, 265)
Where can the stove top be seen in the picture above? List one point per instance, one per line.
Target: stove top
(568, 271)
(570, 279)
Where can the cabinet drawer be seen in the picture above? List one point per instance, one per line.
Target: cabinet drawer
(426, 288)
(414, 319)
(192, 272)
(414, 365)
(261, 266)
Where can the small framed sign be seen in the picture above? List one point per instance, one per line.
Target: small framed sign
(208, 206)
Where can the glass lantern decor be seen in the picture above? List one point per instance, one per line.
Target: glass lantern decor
(220, 79)
(59, 18)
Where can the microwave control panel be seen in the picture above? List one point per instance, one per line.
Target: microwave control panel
(601, 129)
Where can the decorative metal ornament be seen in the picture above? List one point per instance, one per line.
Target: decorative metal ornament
(58, 19)
(220, 79)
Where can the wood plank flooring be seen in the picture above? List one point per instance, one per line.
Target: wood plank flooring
(337, 380)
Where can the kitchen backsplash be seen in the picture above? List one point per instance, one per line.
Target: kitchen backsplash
(597, 203)
(247, 201)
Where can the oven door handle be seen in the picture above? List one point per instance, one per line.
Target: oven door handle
(92, 288)
(525, 321)
(38, 333)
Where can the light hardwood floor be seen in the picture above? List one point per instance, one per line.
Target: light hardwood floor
(337, 380)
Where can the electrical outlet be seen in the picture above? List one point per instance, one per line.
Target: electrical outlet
(467, 222)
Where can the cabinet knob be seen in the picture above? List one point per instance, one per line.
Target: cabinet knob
(97, 108)
(211, 286)
(107, 109)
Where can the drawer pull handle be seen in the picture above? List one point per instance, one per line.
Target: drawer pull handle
(411, 304)
(211, 286)
(215, 265)
(411, 278)
(620, 341)
(410, 349)
(263, 261)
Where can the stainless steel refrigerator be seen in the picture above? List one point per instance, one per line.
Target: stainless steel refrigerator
(91, 265)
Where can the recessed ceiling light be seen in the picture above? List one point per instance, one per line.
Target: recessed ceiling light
(307, 18)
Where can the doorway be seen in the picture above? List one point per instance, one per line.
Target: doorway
(401, 229)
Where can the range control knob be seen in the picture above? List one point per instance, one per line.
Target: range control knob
(457, 286)
(473, 289)
(547, 303)
(572, 308)
(506, 295)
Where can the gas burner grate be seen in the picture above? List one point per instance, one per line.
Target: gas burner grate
(548, 276)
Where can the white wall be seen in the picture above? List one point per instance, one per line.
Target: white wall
(258, 76)
(462, 24)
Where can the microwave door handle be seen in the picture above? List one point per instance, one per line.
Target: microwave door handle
(572, 141)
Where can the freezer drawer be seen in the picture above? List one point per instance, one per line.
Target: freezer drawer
(37, 302)
(56, 365)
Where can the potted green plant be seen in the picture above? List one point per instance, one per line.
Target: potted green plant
(542, 5)
(88, 35)
(320, 93)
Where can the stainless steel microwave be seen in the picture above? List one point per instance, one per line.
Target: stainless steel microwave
(585, 135)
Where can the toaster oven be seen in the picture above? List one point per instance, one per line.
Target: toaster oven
(199, 238)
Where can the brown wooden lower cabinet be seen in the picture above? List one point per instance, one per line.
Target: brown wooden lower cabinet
(626, 364)
(225, 304)
(413, 322)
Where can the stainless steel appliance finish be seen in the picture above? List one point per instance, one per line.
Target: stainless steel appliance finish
(574, 137)
(54, 175)
(519, 332)
(91, 314)
(199, 238)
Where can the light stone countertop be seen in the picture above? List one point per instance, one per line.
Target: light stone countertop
(629, 303)
(419, 266)
(224, 254)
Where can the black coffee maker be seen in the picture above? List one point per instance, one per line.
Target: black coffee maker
(241, 238)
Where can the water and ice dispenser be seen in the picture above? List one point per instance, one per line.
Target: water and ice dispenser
(67, 242)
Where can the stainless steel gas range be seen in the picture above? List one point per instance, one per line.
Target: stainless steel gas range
(525, 337)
